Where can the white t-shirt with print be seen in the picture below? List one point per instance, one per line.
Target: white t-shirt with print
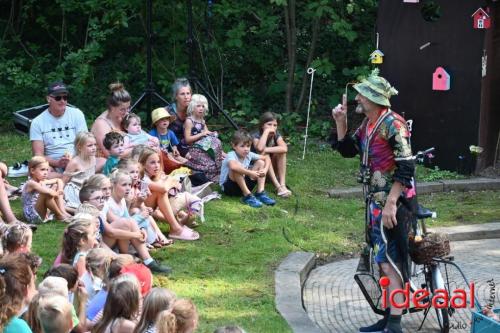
(58, 133)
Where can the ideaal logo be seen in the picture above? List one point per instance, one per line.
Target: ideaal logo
(421, 299)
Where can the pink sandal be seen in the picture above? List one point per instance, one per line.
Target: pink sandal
(186, 234)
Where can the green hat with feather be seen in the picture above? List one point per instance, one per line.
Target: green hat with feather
(376, 89)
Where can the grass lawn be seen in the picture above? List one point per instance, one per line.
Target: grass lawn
(229, 272)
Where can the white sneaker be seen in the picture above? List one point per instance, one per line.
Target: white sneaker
(18, 172)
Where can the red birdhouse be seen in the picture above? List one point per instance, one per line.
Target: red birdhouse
(481, 19)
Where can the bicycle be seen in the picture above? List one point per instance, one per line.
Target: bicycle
(429, 273)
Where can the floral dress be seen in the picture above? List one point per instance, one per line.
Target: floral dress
(29, 200)
(206, 153)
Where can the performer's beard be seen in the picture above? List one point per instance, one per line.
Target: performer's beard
(360, 109)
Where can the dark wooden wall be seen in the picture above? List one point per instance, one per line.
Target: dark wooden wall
(448, 120)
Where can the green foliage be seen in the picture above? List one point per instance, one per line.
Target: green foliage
(240, 53)
(435, 174)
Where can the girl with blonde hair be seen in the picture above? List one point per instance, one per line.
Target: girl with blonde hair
(40, 195)
(205, 148)
(156, 301)
(163, 188)
(80, 168)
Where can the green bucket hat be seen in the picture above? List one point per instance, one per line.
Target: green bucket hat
(376, 89)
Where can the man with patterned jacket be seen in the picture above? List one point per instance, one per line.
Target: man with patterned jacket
(386, 172)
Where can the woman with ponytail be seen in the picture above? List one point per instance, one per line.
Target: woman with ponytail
(118, 105)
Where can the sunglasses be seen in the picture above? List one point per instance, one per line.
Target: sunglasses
(58, 98)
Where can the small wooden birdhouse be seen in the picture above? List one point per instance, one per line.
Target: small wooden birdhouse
(440, 79)
(481, 19)
(377, 57)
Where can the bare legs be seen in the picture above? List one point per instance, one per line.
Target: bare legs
(395, 283)
(239, 178)
(127, 225)
(277, 173)
(54, 203)
(7, 213)
(160, 200)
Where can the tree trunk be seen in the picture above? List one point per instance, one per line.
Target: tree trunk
(310, 56)
(291, 43)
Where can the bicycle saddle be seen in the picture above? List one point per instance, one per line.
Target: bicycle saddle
(423, 213)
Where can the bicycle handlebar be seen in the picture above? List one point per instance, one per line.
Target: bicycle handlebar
(421, 154)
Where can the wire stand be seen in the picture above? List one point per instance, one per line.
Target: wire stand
(150, 90)
(193, 79)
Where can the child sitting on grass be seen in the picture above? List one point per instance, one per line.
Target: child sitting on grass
(41, 195)
(239, 176)
(114, 144)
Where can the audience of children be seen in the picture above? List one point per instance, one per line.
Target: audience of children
(205, 148)
(239, 176)
(91, 287)
(135, 135)
(123, 231)
(116, 208)
(268, 141)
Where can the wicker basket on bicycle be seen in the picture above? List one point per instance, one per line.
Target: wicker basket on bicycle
(432, 245)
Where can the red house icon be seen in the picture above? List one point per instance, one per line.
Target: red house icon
(481, 19)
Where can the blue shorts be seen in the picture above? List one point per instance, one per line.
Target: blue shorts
(380, 249)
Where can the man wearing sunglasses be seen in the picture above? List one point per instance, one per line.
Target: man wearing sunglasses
(53, 132)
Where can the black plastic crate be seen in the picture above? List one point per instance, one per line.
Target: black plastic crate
(23, 118)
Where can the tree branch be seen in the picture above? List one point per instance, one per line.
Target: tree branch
(310, 57)
(291, 33)
(61, 42)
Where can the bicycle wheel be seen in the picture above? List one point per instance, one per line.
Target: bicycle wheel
(437, 282)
